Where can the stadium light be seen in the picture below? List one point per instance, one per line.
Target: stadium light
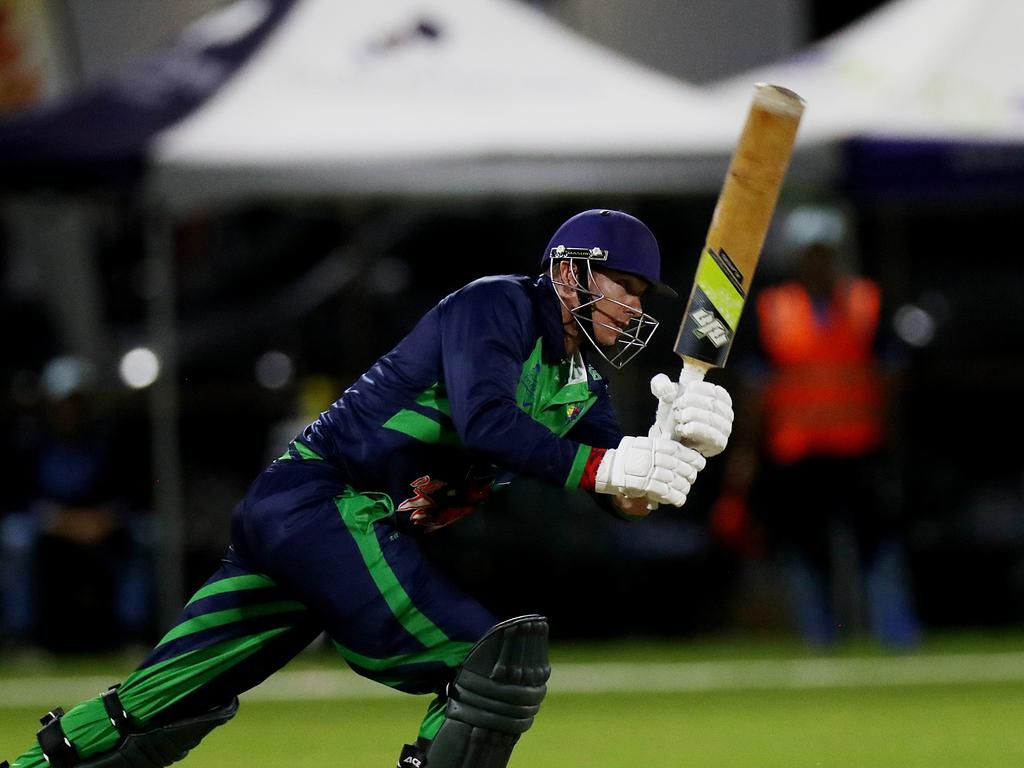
(274, 369)
(139, 367)
(915, 325)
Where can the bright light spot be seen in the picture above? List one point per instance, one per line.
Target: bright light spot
(274, 369)
(139, 368)
(914, 325)
(66, 375)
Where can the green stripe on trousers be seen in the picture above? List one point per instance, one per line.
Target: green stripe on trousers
(147, 692)
(150, 690)
(360, 512)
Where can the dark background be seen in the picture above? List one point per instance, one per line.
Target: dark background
(960, 477)
(549, 550)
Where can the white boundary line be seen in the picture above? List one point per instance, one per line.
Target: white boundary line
(576, 677)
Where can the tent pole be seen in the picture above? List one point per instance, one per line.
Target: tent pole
(164, 414)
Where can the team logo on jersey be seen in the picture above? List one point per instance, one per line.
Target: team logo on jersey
(529, 385)
(572, 412)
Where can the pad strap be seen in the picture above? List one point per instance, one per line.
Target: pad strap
(163, 745)
(116, 712)
(58, 749)
(56, 746)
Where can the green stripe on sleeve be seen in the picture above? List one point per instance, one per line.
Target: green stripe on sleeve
(422, 428)
(719, 289)
(429, 399)
(306, 452)
(578, 465)
(358, 514)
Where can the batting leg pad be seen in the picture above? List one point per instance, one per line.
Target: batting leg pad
(157, 747)
(494, 697)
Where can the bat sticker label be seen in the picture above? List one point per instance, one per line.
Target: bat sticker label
(710, 327)
(718, 286)
(705, 334)
(729, 269)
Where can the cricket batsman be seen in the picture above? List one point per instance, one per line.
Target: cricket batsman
(493, 381)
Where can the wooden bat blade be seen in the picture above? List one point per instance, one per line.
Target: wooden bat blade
(738, 226)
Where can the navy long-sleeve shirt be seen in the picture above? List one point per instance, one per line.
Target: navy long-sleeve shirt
(481, 387)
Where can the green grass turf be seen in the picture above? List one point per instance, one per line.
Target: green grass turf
(928, 726)
(977, 726)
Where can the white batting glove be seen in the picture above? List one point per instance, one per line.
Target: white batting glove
(700, 414)
(662, 470)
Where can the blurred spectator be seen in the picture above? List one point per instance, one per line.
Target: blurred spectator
(75, 554)
(814, 456)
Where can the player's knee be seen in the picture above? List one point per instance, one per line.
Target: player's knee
(156, 747)
(495, 695)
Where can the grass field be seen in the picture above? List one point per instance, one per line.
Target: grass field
(958, 701)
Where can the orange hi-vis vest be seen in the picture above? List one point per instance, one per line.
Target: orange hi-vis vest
(825, 396)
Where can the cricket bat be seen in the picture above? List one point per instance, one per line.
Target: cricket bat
(738, 228)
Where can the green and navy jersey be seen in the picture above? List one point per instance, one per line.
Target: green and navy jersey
(480, 389)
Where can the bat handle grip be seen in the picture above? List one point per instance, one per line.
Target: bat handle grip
(692, 371)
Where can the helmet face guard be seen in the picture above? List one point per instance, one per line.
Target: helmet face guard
(629, 341)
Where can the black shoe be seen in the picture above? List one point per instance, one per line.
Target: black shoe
(412, 757)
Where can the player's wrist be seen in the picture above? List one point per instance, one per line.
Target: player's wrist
(632, 508)
(594, 459)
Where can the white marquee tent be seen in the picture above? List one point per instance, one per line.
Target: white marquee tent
(439, 97)
(458, 97)
(913, 69)
(444, 97)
